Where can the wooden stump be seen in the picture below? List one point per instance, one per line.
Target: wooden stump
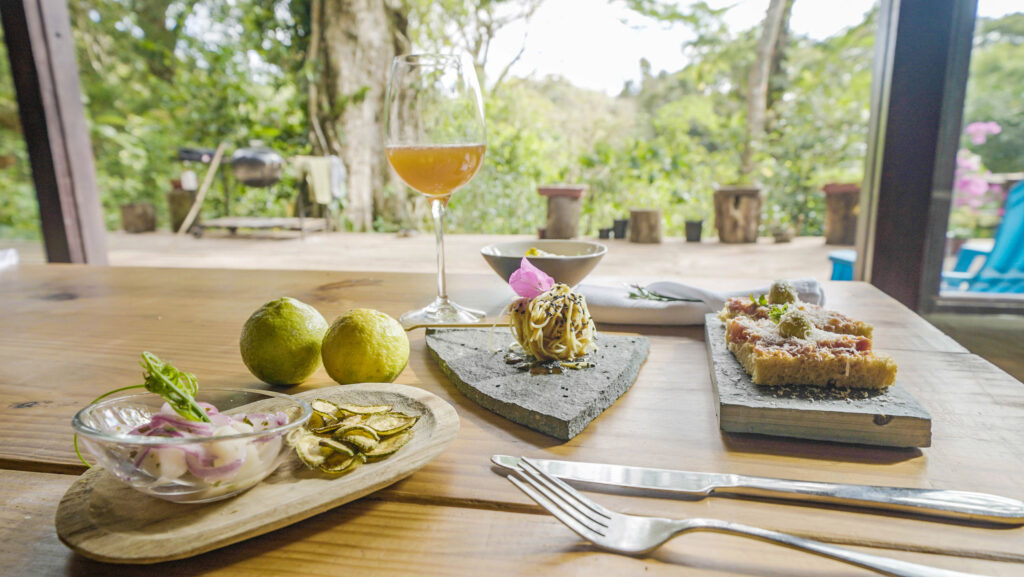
(138, 217)
(737, 214)
(564, 207)
(645, 226)
(842, 205)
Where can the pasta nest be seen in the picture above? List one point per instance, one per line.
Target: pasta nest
(555, 325)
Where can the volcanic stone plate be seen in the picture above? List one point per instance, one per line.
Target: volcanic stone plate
(891, 417)
(560, 405)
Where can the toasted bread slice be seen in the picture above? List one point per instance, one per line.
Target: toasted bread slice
(823, 358)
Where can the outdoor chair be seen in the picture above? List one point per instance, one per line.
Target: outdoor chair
(1003, 271)
(842, 263)
(968, 255)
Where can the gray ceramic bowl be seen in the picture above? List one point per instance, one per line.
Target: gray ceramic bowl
(573, 260)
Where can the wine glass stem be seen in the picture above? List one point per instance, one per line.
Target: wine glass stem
(438, 207)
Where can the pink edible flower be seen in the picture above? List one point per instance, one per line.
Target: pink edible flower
(529, 281)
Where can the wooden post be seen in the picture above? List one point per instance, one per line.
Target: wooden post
(922, 61)
(645, 226)
(203, 188)
(179, 202)
(842, 204)
(737, 213)
(42, 53)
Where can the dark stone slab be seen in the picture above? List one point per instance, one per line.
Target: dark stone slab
(891, 417)
(559, 405)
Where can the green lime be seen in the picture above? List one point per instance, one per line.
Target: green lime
(365, 346)
(281, 341)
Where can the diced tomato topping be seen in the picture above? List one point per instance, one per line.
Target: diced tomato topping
(738, 332)
(746, 307)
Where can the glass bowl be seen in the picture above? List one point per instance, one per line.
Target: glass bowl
(228, 458)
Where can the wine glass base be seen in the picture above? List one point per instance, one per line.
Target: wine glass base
(441, 312)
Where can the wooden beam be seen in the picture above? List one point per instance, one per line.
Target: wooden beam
(950, 130)
(915, 76)
(41, 48)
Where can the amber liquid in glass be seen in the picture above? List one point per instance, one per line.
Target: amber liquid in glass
(436, 170)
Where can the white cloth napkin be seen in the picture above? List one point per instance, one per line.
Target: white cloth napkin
(610, 304)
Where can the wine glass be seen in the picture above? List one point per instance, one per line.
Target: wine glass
(435, 142)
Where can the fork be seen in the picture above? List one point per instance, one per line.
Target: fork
(634, 535)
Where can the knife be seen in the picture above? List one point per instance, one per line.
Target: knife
(960, 505)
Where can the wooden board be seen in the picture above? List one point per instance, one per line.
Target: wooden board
(106, 520)
(890, 418)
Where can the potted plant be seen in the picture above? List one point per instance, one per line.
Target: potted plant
(693, 219)
(136, 206)
(783, 233)
(138, 217)
(619, 227)
(601, 215)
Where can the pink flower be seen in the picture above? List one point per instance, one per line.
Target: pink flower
(967, 161)
(529, 281)
(972, 186)
(979, 131)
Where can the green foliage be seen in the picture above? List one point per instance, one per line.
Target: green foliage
(995, 92)
(199, 72)
(530, 142)
(19, 211)
(819, 127)
(150, 90)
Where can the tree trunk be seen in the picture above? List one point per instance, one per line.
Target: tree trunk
(768, 48)
(360, 39)
(159, 40)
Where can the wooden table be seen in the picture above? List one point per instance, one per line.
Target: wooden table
(69, 333)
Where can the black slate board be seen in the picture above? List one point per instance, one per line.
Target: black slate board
(559, 405)
(890, 418)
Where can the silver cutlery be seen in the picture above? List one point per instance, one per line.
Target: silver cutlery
(634, 535)
(961, 505)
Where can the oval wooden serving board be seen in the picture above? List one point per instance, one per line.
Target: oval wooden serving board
(105, 520)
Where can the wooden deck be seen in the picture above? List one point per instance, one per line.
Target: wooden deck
(999, 339)
(804, 257)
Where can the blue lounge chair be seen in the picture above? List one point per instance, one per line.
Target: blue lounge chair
(968, 255)
(842, 263)
(1003, 271)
